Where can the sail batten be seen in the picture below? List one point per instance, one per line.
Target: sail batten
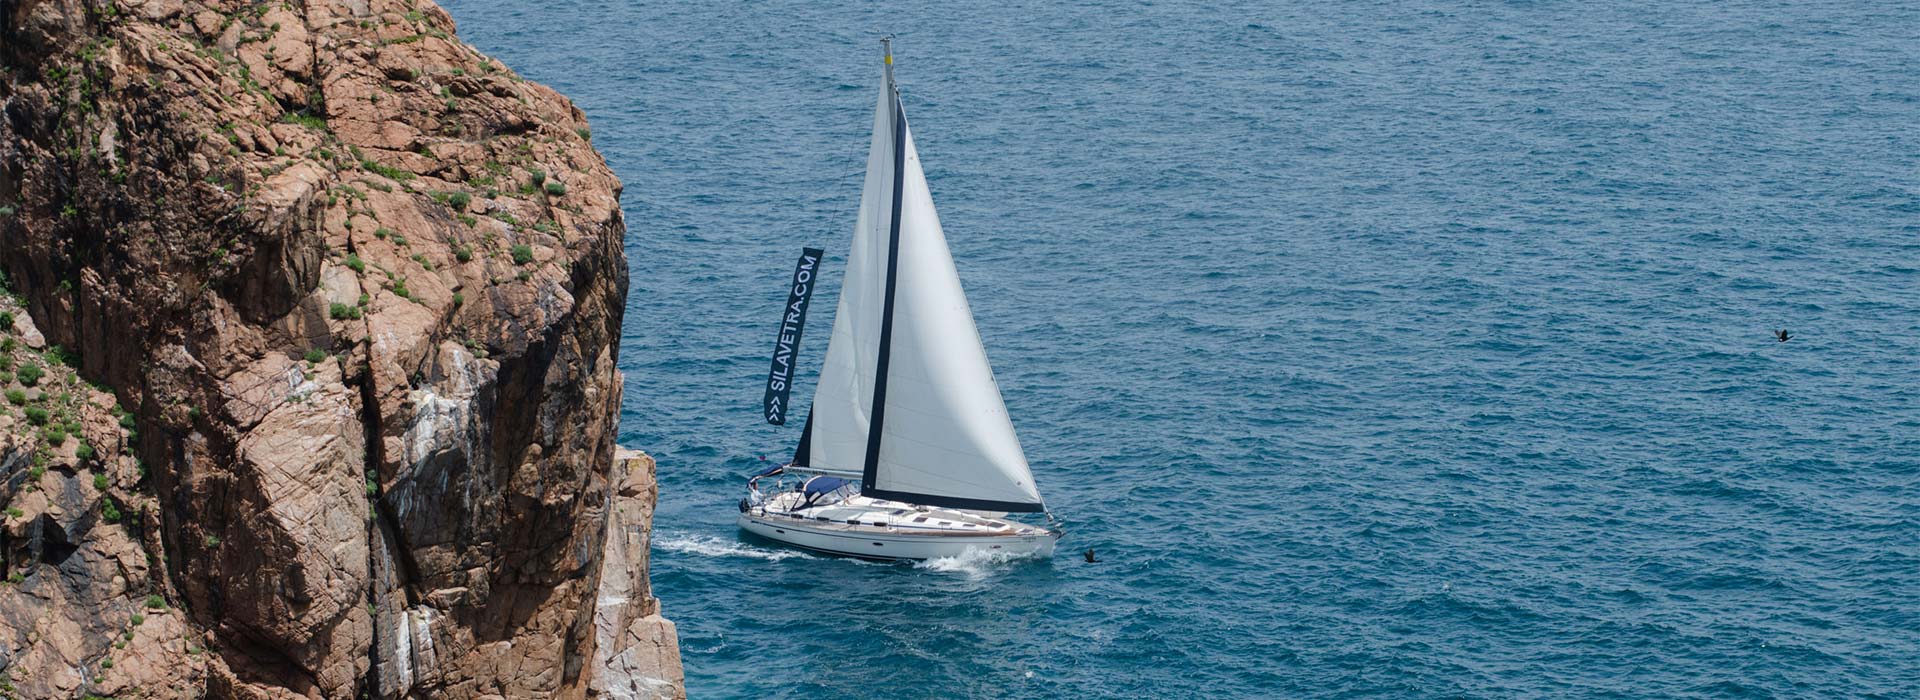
(907, 396)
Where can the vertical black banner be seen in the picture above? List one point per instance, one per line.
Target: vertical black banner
(786, 348)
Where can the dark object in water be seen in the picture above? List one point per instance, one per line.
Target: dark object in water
(1090, 558)
(1783, 335)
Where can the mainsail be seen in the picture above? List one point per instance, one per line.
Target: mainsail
(906, 397)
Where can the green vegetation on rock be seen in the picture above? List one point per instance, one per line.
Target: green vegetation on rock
(307, 120)
(388, 172)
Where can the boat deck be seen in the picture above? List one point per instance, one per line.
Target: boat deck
(863, 514)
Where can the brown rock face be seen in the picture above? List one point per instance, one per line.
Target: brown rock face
(636, 651)
(82, 608)
(358, 289)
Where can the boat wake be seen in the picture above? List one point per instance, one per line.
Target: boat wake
(973, 563)
(710, 546)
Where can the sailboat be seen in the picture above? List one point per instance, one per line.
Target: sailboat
(907, 451)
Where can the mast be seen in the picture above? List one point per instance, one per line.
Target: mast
(879, 406)
(886, 50)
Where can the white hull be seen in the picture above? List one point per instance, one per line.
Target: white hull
(878, 543)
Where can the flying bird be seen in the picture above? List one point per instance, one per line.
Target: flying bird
(1090, 558)
(1783, 335)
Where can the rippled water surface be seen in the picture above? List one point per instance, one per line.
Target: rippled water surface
(1411, 349)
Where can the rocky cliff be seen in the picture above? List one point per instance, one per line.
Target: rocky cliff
(323, 307)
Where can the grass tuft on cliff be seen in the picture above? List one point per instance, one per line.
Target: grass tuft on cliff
(310, 121)
(388, 172)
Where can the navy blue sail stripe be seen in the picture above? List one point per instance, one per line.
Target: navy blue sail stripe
(953, 501)
(879, 412)
(801, 454)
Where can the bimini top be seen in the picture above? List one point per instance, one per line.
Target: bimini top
(823, 484)
(819, 491)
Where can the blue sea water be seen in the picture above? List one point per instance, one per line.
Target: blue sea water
(1382, 349)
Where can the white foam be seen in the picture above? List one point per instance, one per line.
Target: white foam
(974, 563)
(710, 546)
